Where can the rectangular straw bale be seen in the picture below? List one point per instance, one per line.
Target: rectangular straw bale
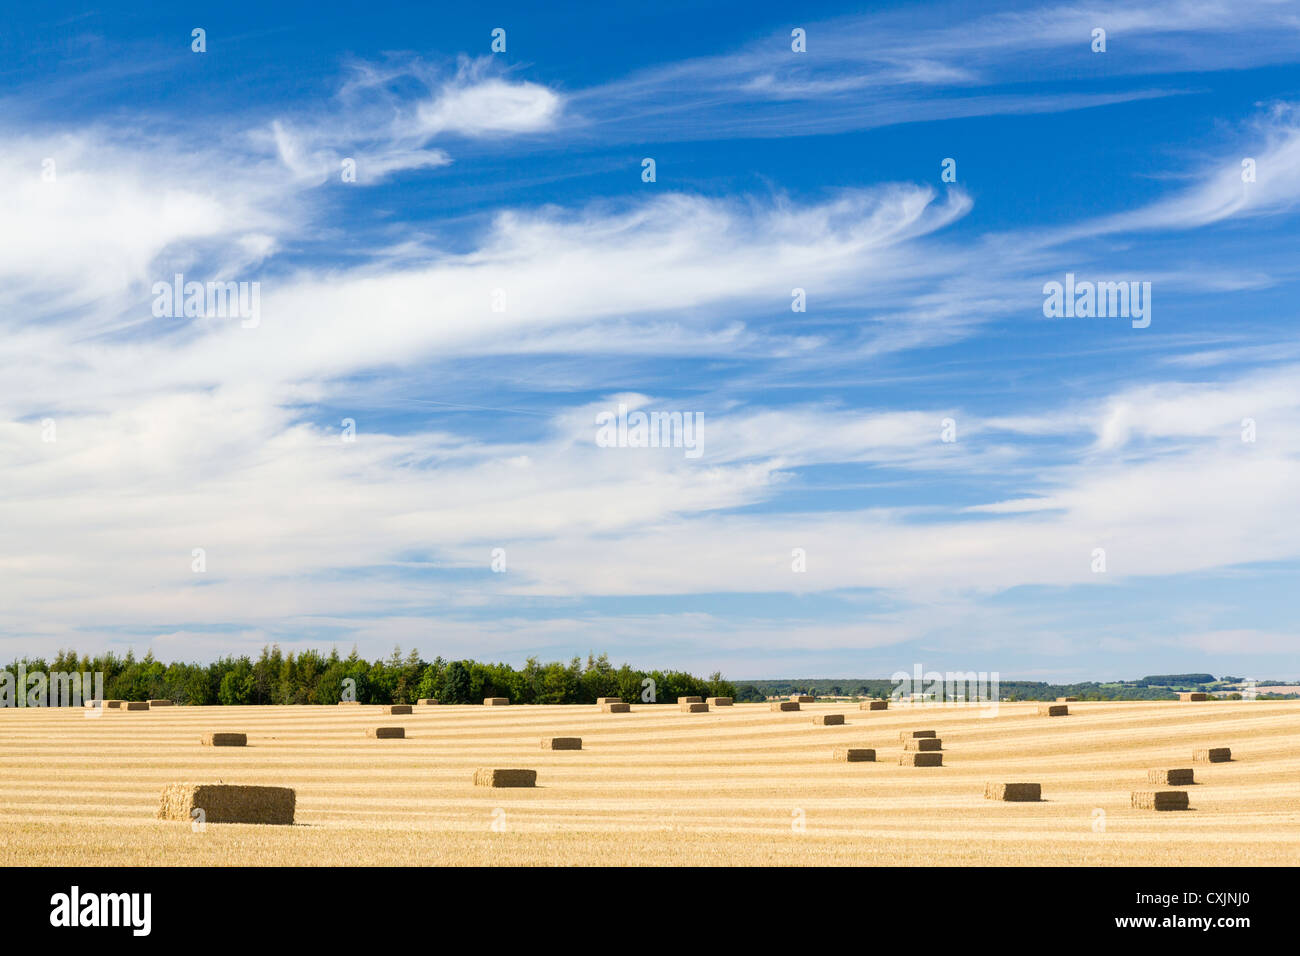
(803, 699)
(1066, 700)
(690, 700)
(427, 701)
(1014, 792)
(913, 734)
(396, 710)
(134, 705)
(913, 759)
(226, 803)
(496, 701)
(785, 705)
(1212, 755)
(874, 705)
(829, 720)
(1159, 800)
(386, 733)
(225, 740)
(1193, 695)
(113, 704)
(923, 744)
(561, 743)
(699, 707)
(719, 701)
(615, 708)
(609, 700)
(853, 754)
(162, 703)
(494, 777)
(1053, 710)
(349, 703)
(1174, 778)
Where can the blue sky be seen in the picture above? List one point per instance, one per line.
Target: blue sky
(499, 275)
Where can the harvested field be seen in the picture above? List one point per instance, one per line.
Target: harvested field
(653, 789)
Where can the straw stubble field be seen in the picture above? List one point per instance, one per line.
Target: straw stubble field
(743, 785)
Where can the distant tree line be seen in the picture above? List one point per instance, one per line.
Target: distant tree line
(1157, 687)
(310, 677)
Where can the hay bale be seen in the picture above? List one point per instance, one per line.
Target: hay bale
(1014, 792)
(609, 700)
(396, 710)
(1173, 778)
(496, 701)
(829, 720)
(916, 734)
(493, 777)
(1193, 695)
(923, 744)
(1212, 755)
(874, 705)
(1053, 710)
(226, 803)
(427, 701)
(561, 743)
(803, 699)
(698, 707)
(853, 754)
(161, 703)
(615, 708)
(785, 705)
(113, 704)
(1159, 800)
(912, 759)
(386, 733)
(1066, 700)
(690, 700)
(349, 703)
(225, 740)
(719, 701)
(134, 705)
